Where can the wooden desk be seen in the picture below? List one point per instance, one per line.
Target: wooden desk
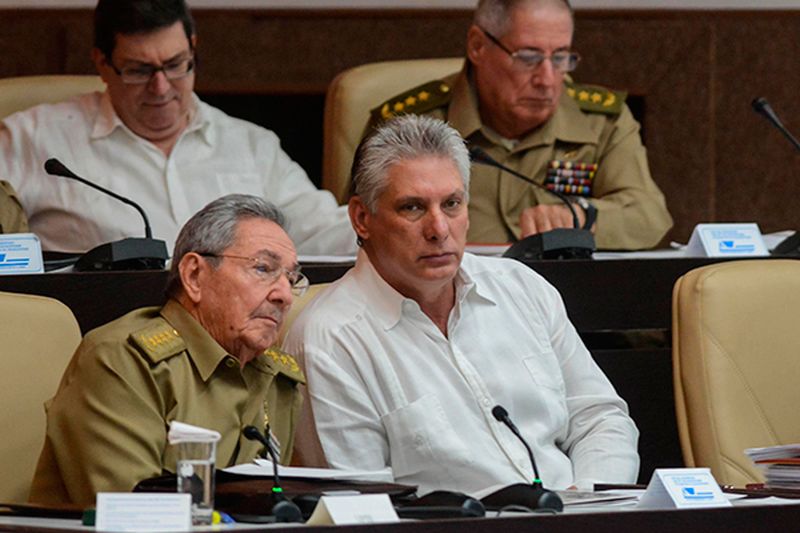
(605, 300)
(732, 520)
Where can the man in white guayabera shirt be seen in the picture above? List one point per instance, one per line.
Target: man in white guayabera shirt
(408, 353)
(149, 138)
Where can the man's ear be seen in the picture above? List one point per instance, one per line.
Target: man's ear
(476, 44)
(193, 42)
(100, 63)
(359, 217)
(193, 269)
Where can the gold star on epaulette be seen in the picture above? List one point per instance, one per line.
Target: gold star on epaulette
(418, 100)
(285, 364)
(158, 341)
(594, 99)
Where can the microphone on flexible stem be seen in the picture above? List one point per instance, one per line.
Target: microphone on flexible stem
(541, 497)
(791, 244)
(127, 254)
(284, 510)
(559, 243)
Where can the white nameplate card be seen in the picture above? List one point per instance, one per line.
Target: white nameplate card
(20, 253)
(682, 488)
(349, 510)
(726, 240)
(143, 511)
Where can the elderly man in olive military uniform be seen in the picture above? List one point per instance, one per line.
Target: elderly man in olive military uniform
(200, 359)
(12, 217)
(515, 101)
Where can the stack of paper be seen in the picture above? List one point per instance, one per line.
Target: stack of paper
(780, 464)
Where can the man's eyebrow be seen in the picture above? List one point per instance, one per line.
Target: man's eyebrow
(180, 55)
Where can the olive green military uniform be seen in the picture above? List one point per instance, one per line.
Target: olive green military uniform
(12, 217)
(107, 424)
(591, 125)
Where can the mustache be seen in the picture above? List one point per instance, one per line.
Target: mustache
(274, 313)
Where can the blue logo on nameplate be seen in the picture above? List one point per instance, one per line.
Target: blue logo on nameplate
(20, 253)
(727, 240)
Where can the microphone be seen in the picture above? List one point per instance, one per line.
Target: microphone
(559, 243)
(127, 254)
(791, 244)
(284, 510)
(543, 498)
(762, 107)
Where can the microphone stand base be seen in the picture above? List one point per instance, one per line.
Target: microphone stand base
(532, 496)
(560, 243)
(133, 253)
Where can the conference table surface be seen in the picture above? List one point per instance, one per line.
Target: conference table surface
(747, 518)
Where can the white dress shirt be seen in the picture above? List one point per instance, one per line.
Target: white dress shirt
(387, 388)
(214, 156)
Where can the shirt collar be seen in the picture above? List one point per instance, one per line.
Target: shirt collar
(205, 352)
(389, 304)
(107, 120)
(568, 124)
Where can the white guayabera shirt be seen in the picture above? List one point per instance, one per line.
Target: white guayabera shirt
(387, 388)
(216, 155)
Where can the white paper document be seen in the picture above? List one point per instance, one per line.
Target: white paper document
(262, 467)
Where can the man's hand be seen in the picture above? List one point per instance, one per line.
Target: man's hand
(541, 218)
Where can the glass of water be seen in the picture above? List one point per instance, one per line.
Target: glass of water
(195, 471)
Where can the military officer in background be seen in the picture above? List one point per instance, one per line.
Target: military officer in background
(515, 101)
(12, 217)
(204, 358)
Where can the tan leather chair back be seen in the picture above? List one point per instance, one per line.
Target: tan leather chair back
(351, 96)
(736, 363)
(38, 337)
(17, 94)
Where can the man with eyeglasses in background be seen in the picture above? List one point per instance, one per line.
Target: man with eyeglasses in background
(148, 137)
(515, 100)
(204, 358)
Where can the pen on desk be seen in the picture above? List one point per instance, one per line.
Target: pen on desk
(619, 486)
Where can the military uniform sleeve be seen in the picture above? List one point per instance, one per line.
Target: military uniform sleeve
(632, 212)
(12, 217)
(105, 427)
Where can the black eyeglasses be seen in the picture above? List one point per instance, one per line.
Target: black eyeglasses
(144, 72)
(528, 59)
(269, 272)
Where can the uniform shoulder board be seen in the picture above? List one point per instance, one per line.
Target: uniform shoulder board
(285, 364)
(158, 340)
(595, 99)
(418, 100)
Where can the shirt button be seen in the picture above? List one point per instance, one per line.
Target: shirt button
(418, 440)
(487, 402)
(230, 363)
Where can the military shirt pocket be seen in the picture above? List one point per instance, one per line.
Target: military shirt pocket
(545, 371)
(421, 438)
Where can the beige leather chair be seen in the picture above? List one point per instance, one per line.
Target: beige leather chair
(38, 336)
(307, 449)
(17, 94)
(736, 363)
(351, 96)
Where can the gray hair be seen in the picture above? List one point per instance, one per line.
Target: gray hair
(494, 15)
(212, 230)
(400, 139)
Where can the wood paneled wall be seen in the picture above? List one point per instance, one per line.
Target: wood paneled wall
(696, 71)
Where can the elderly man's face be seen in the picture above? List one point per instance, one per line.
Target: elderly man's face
(238, 305)
(416, 237)
(157, 110)
(513, 99)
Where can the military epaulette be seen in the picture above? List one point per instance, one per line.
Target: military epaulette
(158, 341)
(285, 364)
(596, 99)
(418, 100)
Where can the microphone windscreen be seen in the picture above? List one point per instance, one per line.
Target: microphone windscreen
(499, 413)
(54, 167)
(252, 433)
